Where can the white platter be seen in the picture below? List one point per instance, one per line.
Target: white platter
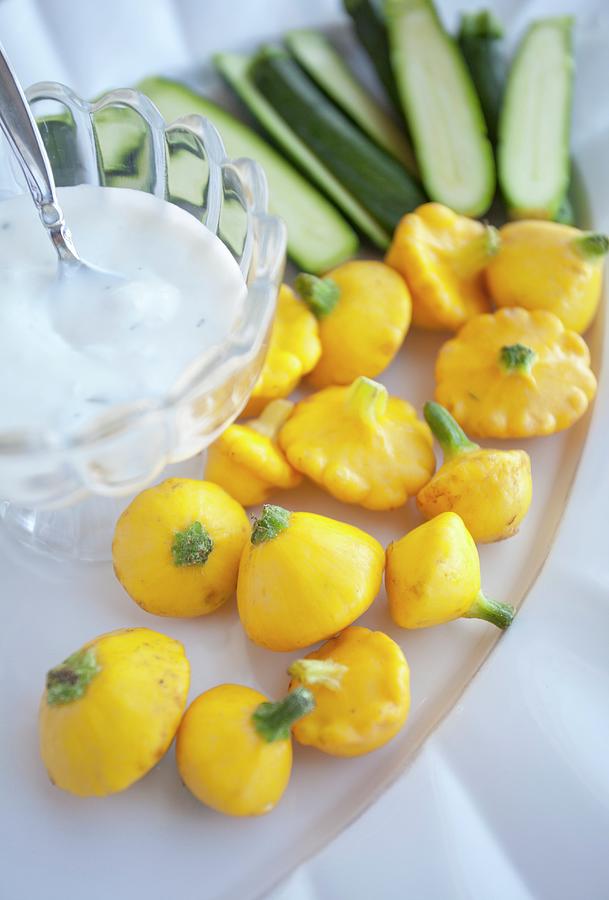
(520, 760)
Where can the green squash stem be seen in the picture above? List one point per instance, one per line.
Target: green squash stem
(320, 294)
(499, 614)
(270, 422)
(69, 681)
(271, 522)
(469, 260)
(192, 546)
(273, 721)
(592, 247)
(448, 433)
(517, 359)
(367, 400)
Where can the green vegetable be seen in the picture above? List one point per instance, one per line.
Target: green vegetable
(480, 36)
(327, 68)
(441, 107)
(235, 68)
(535, 122)
(375, 179)
(371, 30)
(273, 721)
(318, 236)
(271, 522)
(69, 681)
(192, 546)
(517, 358)
(320, 294)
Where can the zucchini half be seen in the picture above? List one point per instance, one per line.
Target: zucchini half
(442, 108)
(374, 178)
(535, 122)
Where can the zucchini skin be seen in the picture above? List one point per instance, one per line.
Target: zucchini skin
(377, 180)
(370, 27)
(323, 63)
(234, 68)
(479, 38)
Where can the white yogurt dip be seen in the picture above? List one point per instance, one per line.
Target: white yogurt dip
(66, 359)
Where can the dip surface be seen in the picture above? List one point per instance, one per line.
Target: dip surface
(64, 360)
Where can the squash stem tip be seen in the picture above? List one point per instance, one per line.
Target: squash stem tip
(517, 358)
(474, 257)
(499, 614)
(69, 681)
(271, 522)
(320, 294)
(270, 422)
(192, 546)
(326, 672)
(592, 246)
(273, 721)
(367, 399)
(448, 433)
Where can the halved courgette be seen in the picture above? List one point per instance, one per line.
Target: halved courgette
(318, 236)
(235, 68)
(535, 123)
(441, 107)
(328, 69)
(377, 180)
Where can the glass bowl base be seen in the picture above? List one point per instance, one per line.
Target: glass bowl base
(83, 531)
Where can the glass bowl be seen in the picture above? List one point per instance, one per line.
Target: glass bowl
(46, 476)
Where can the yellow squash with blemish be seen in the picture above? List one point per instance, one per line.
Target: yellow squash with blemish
(294, 349)
(111, 710)
(432, 576)
(361, 684)
(304, 577)
(360, 445)
(515, 374)
(545, 265)
(489, 489)
(234, 750)
(364, 311)
(246, 459)
(442, 255)
(177, 547)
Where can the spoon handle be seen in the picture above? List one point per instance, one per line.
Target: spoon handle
(20, 129)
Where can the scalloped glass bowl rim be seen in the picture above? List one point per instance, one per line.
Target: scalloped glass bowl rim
(271, 235)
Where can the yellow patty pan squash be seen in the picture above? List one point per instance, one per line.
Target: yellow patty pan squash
(515, 374)
(177, 547)
(489, 489)
(246, 459)
(364, 311)
(442, 255)
(360, 445)
(305, 577)
(361, 684)
(111, 710)
(433, 576)
(234, 750)
(545, 265)
(294, 349)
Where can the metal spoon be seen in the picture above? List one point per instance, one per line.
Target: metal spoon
(21, 131)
